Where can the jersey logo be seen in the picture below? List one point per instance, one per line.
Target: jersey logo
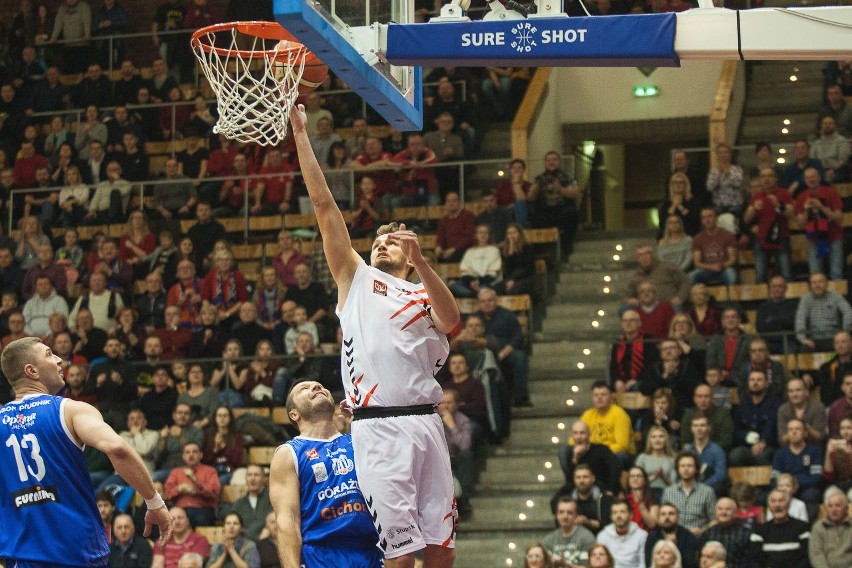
(320, 473)
(34, 496)
(380, 288)
(342, 465)
(312, 454)
(423, 310)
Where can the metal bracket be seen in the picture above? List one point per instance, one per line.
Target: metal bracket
(499, 12)
(452, 12)
(548, 9)
(367, 41)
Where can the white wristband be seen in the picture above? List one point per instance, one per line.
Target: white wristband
(155, 502)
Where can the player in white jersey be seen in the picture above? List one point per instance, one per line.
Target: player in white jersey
(394, 341)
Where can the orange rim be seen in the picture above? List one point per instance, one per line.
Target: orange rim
(263, 30)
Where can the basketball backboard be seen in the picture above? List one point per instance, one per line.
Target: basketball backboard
(341, 33)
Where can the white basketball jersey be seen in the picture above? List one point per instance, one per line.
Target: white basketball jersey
(391, 348)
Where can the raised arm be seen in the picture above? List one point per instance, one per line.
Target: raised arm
(342, 259)
(88, 426)
(284, 495)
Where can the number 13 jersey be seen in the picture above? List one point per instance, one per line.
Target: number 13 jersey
(47, 506)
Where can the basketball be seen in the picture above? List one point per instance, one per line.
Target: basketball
(315, 73)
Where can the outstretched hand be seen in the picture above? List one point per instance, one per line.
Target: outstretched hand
(409, 243)
(299, 119)
(163, 519)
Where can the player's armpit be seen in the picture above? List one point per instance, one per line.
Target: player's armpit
(284, 495)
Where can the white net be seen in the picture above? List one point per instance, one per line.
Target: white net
(255, 86)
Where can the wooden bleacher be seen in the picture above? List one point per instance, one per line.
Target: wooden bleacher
(760, 292)
(758, 475)
(261, 455)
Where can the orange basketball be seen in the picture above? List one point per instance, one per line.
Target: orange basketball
(315, 73)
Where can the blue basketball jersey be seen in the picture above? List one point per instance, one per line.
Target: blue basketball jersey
(47, 506)
(333, 510)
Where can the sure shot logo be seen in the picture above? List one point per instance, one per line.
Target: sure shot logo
(35, 496)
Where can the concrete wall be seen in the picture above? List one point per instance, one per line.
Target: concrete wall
(606, 94)
(546, 134)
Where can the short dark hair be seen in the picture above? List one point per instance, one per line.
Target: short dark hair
(685, 454)
(601, 384)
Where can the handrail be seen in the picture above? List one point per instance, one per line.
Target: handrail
(718, 130)
(532, 102)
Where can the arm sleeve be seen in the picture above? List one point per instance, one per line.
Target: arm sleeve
(816, 548)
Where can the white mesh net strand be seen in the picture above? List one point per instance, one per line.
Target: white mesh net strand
(254, 94)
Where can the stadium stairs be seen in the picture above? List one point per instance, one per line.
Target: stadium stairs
(511, 508)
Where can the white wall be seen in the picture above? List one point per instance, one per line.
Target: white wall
(546, 134)
(586, 94)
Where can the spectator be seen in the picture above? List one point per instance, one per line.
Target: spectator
(418, 178)
(669, 530)
(694, 500)
(49, 94)
(666, 555)
(125, 89)
(378, 164)
(31, 238)
(234, 545)
(657, 461)
(364, 218)
(469, 392)
(674, 371)
(315, 112)
(240, 193)
(266, 552)
(206, 232)
(120, 124)
(598, 457)
(820, 208)
(307, 362)
(144, 440)
(17, 323)
(537, 557)
(840, 408)
(225, 376)
(159, 403)
(183, 541)
(801, 460)
(759, 360)
(783, 542)
(503, 330)
(223, 445)
(664, 413)
(133, 159)
(593, 505)
(174, 338)
(254, 507)
(90, 339)
(94, 89)
(630, 356)
(644, 509)
(730, 350)
(555, 196)
(225, 287)
(92, 130)
(151, 305)
(512, 192)
(570, 543)
(697, 178)
(830, 536)
(675, 245)
(11, 276)
(119, 274)
(287, 259)
(337, 176)
(798, 510)
(838, 457)
(109, 203)
(832, 149)
(257, 381)
(199, 396)
(794, 174)
(600, 557)
(770, 209)
(518, 264)
(448, 147)
(173, 438)
(194, 487)
(163, 259)
(42, 306)
(713, 469)
(656, 314)
(835, 107)
(73, 23)
(714, 252)
(103, 304)
(461, 112)
(186, 294)
(128, 550)
(609, 424)
(480, 265)
(111, 379)
(459, 433)
(45, 267)
(308, 294)
(713, 555)
(730, 532)
(624, 538)
(820, 315)
(278, 190)
(755, 424)
(175, 197)
(724, 182)
(831, 373)
(455, 230)
(26, 165)
(777, 316)
(671, 282)
(800, 405)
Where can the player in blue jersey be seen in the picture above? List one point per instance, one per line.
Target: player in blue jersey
(48, 515)
(321, 515)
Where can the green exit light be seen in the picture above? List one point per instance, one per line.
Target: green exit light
(646, 91)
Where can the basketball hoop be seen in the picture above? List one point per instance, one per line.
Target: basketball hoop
(255, 87)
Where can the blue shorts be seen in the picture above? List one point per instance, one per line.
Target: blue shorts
(96, 563)
(324, 556)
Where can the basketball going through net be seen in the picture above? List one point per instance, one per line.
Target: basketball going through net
(257, 71)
